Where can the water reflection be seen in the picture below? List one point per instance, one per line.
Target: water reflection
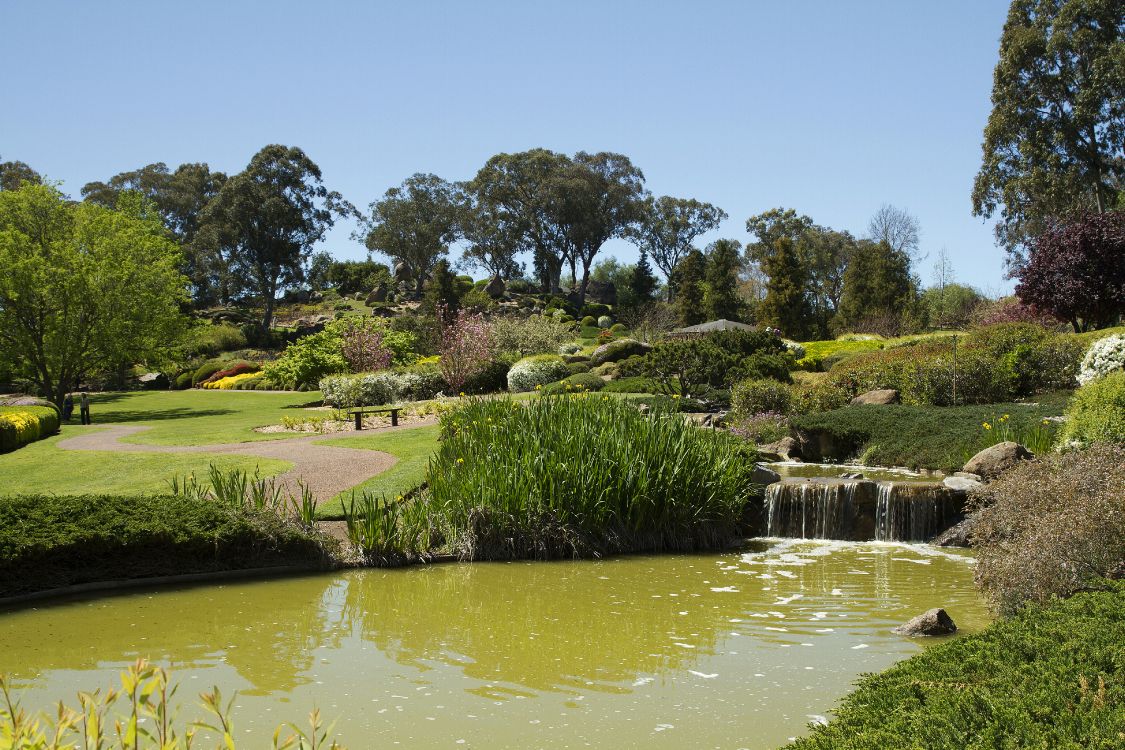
(719, 648)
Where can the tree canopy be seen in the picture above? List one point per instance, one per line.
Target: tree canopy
(1076, 270)
(878, 289)
(415, 224)
(266, 219)
(15, 173)
(1055, 140)
(669, 228)
(84, 288)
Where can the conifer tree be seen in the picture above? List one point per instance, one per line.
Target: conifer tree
(689, 277)
(786, 305)
(877, 289)
(642, 282)
(721, 299)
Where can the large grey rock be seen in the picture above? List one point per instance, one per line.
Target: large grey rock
(153, 381)
(881, 397)
(402, 273)
(786, 449)
(994, 461)
(763, 475)
(933, 622)
(495, 287)
(957, 535)
(603, 292)
(377, 295)
(962, 484)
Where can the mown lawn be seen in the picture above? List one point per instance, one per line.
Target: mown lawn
(43, 467)
(412, 447)
(198, 417)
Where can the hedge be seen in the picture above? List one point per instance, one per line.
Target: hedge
(20, 425)
(1051, 677)
(48, 541)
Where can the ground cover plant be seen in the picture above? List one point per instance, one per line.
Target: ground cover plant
(582, 475)
(929, 437)
(1097, 412)
(1050, 677)
(48, 541)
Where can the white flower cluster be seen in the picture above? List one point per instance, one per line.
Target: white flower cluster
(1103, 357)
(538, 370)
(796, 349)
(371, 389)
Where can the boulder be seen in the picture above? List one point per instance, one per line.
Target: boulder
(618, 350)
(402, 273)
(764, 475)
(786, 449)
(962, 484)
(378, 294)
(153, 381)
(992, 462)
(933, 622)
(495, 287)
(880, 397)
(957, 535)
(602, 292)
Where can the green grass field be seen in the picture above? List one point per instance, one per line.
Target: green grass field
(412, 448)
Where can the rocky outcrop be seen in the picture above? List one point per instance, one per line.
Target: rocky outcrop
(786, 449)
(957, 535)
(764, 475)
(377, 295)
(933, 622)
(153, 381)
(880, 397)
(994, 461)
(963, 484)
(495, 287)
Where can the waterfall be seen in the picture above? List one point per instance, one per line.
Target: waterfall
(906, 512)
(811, 510)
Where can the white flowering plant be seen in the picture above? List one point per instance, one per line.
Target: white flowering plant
(1103, 357)
(541, 369)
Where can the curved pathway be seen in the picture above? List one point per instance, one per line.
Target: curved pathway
(326, 470)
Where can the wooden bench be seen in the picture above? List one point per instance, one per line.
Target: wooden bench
(361, 410)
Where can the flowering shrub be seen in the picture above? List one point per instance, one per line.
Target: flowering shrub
(751, 397)
(369, 389)
(466, 346)
(795, 349)
(20, 425)
(310, 358)
(232, 368)
(765, 427)
(1103, 357)
(570, 348)
(363, 348)
(230, 381)
(538, 370)
(821, 395)
(535, 335)
(605, 321)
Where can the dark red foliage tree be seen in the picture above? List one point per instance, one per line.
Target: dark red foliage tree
(1076, 271)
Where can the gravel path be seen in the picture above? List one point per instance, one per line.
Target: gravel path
(327, 470)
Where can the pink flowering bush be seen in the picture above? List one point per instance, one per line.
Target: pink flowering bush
(364, 349)
(466, 346)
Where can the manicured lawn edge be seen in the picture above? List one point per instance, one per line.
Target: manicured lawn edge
(50, 542)
(1051, 676)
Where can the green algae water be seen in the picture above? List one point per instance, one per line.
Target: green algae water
(738, 650)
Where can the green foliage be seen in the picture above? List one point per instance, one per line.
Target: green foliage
(582, 475)
(207, 369)
(588, 322)
(950, 305)
(786, 305)
(686, 366)
(84, 288)
(723, 264)
(633, 384)
(49, 541)
(211, 340)
(310, 358)
(667, 233)
(183, 381)
(578, 383)
(877, 290)
(807, 397)
(1050, 677)
(614, 351)
(920, 437)
(1097, 412)
(751, 397)
(20, 425)
(594, 310)
(538, 334)
(642, 284)
(822, 355)
(688, 280)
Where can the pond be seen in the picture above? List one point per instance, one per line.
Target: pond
(737, 650)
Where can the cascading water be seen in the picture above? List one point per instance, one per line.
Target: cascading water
(811, 510)
(860, 509)
(906, 512)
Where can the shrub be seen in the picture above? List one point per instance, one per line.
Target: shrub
(252, 383)
(207, 369)
(1097, 412)
(589, 321)
(1051, 527)
(50, 541)
(229, 382)
(183, 380)
(821, 395)
(578, 366)
(579, 383)
(1048, 678)
(538, 334)
(492, 377)
(633, 384)
(213, 339)
(762, 365)
(540, 369)
(235, 367)
(615, 351)
(765, 427)
(618, 329)
(367, 389)
(1031, 358)
(750, 397)
(570, 348)
(605, 321)
(582, 475)
(20, 425)
(608, 369)
(596, 310)
(1103, 357)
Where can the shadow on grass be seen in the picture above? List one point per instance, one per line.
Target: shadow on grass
(150, 415)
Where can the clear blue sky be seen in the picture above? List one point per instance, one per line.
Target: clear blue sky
(831, 108)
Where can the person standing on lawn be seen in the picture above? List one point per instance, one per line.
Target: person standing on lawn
(68, 407)
(84, 407)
